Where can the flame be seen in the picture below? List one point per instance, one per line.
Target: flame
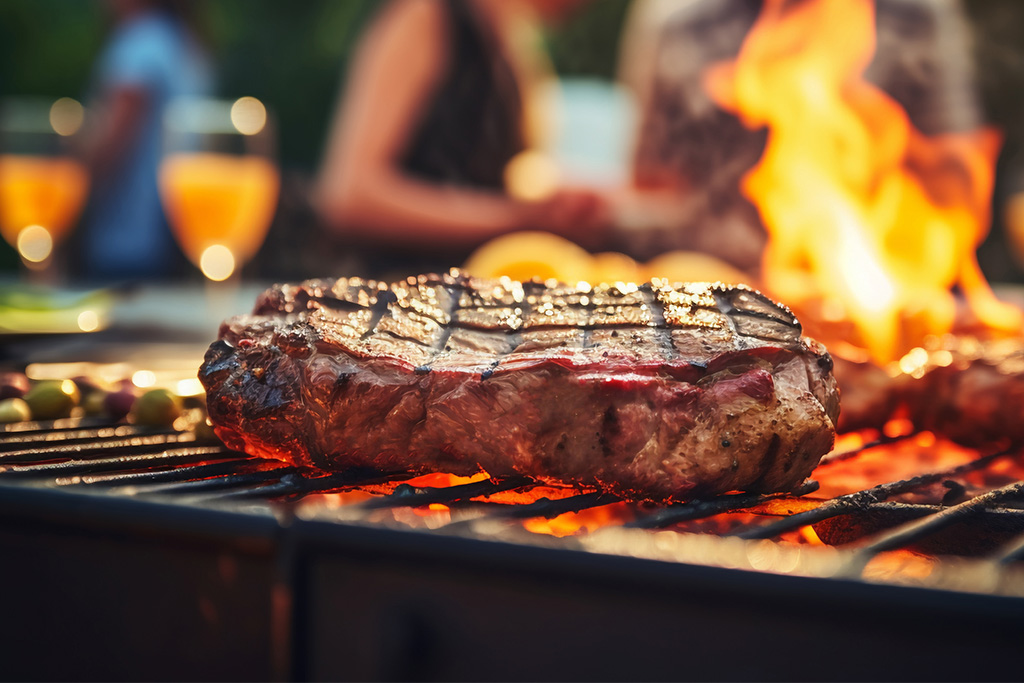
(868, 218)
(444, 480)
(587, 520)
(900, 565)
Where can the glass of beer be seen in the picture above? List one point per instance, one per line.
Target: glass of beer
(43, 186)
(218, 181)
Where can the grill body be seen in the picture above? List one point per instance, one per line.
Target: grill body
(109, 587)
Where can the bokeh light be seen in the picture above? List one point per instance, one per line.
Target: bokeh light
(144, 379)
(248, 115)
(189, 387)
(88, 321)
(35, 244)
(66, 116)
(531, 176)
(217, 262)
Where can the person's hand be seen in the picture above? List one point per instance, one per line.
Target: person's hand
(580, 215)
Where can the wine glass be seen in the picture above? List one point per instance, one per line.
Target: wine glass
(218, 181)
(43, 186)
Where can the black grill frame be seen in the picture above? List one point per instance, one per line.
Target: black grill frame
(341, 597)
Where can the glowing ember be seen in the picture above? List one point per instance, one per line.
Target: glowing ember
(870, 221)
(572, 523)
(899, 564)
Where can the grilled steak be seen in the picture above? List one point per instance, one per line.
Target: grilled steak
(965, 389)
(651, 391)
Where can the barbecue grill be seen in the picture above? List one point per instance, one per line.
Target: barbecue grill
(134, 553)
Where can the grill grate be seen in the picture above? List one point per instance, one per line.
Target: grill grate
(259, 570)
(174, 466)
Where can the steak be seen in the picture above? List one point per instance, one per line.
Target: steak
(651, 391)
(968, 390)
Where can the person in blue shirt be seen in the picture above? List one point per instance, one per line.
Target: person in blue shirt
(151, 57)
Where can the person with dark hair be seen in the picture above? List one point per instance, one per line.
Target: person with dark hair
(439, 101)
(150, 58)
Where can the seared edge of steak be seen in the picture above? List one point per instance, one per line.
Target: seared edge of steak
(653, 391)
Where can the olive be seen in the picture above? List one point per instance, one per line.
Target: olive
(14, 410)
(156, 407)
(93, 403)
(52, 398)
(204, 431)
(13, 385)
(88, 386)
(197, 402)
(119, 403)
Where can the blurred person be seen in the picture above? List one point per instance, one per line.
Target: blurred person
(691, 155)
(437, 105)
(151, 57)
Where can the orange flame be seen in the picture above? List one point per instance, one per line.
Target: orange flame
(868, 218)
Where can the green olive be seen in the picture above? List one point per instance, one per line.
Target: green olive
(156, 407)
(204, 431)
(52, 399)
(14, 410)
(92, 403)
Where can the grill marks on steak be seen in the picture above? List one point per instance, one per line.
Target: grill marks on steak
(650, 390)
(444, 320)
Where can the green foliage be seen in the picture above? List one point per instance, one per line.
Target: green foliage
(292, 55)
(587, 44)
(47, 46)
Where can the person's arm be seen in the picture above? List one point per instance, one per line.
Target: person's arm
(362, 185)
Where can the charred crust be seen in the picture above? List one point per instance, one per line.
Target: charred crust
(220, 360)
(825, 362)
(486, 374)
(341, 383)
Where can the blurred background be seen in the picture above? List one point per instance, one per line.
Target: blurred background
(294, 57)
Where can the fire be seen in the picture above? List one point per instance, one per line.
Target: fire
(572, 523)
(870, 221)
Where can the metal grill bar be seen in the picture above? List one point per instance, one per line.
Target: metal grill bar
(410, 496)
(214, 485)
(13, 438)
(289, 483)
(132, 460)
(697, 509)
(1011, 552)
(547, 508)
(98, 448)
(174, 476)
(908, 533)
(862, 499)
